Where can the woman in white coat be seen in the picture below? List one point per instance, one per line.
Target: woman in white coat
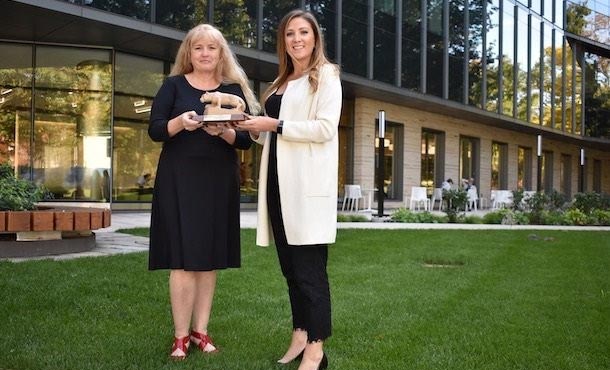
(297, 199)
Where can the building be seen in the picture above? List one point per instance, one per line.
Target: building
(514, 94)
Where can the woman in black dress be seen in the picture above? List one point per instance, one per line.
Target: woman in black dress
(195, 210)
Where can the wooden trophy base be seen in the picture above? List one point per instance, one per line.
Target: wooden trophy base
(220, 115)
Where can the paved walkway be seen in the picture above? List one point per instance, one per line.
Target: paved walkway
(109, 242)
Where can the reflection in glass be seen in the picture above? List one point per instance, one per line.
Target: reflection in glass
(324, 10)
(597, 95)
(508, 60)
(411, 44)
(469, 158)
(457, 46)
(535, 5)
(385, 41)
(354, 37)
(428, 160)
(273, 12)
(522, 65)
(558, 85)
(139, 9)
(475, 52)
(181, 14)
(72, 121)
(435, 48)
(549, 8)
(15, 106)
(569, 88)
(578, 94)
(499, 166)
(390, 188)
(135, 156)
(524, 168)
(493, 54)
(535, 66)
(548, 76)
(237, 25)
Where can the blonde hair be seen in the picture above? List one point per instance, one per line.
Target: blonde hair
(286, 66)
(228, 69)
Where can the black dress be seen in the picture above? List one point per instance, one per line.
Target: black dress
(195, 206)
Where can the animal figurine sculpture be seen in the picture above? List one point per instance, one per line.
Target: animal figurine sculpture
(217, 99)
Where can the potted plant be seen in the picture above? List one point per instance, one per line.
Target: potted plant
(456, 200)
(17, 198)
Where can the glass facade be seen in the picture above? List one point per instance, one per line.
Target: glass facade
(530, 70)
(75, 118)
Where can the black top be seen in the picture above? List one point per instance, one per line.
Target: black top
(195, 206)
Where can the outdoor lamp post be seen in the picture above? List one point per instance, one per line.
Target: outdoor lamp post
(539, 169)
(582, 171)
(380, 163)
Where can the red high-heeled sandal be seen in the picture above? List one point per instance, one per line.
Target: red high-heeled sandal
(203, 342)
(180, 348)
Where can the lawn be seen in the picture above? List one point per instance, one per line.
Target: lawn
(402, 299)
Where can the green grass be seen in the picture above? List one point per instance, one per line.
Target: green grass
(499, 300)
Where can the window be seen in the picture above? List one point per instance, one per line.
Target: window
(238, 27)
(72, 115)
(411, 44)
(565, 175)
(597, 176)
(475, 52)
(392, 160)
(15, 106)
(492, 55)
(435, 48)
(273, 12)
(499, 166)
(547, 171)
(469, 158)
(326, 15)
(384, 51)
(524, 168)
(182, 15)
(432, 159)
(508, 60)
(355, 36)
(137, 80)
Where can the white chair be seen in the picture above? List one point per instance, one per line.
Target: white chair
(502, 199)
(351, 197)
(473, 197)
(437, 195)
(419, 197)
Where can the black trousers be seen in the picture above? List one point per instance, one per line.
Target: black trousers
(304, 268)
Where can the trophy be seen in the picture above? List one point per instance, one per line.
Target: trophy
(214, 111)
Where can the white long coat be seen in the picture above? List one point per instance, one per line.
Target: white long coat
(307, 162)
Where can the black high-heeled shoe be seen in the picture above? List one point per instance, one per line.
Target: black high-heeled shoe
(323, 363)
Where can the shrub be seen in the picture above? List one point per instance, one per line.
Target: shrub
(473, 220)
(351, 218)
(18, 194)
(587, 202)
(456, 200)
(599, 217)
(574, 217)
(495, 217)
(547, 218)
(407, 216)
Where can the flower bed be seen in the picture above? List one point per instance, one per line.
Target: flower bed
(51, 221)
